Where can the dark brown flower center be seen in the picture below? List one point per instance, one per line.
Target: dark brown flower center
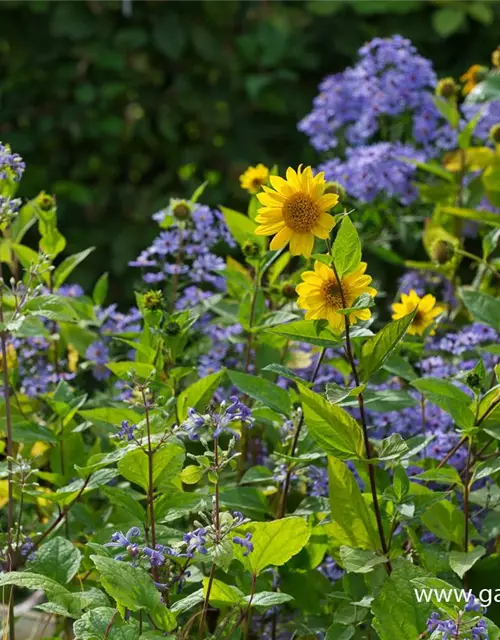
(332, 295)
(300, 212)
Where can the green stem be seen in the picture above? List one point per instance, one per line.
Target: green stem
(361, 404)
(10, 453)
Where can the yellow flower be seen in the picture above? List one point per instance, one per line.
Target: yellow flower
(11, 357)
(254, 178)
(73, 357)
(427, 312)
(296, 211)
(473, 76)
(321, 296)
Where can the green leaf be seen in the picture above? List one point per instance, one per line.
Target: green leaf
(346, 248)
(53, 590)
(359, 560)
(400, 367)
(444, 475)
(192, 474)
(274, 543)
(170, 35)
(486, 469)
(100, 290)
(51, 307)
(25, 219)
(167, 463)
(314, 332)
(393, 448)
(484, 217)
(125, 500)
(242, 227)
(332, 427)
(129, 370)
(461, 562)
(133, 589)
(267, 599)
(57, 559)
(448, 20)
(94, 625)
(27, 257)
(68, 265)
(110, 415)
(396, 610)
(484, 308)
(285, 372)
(448, 397)
(481, 12)
(262, 390)
(446, 521)
(222, 594)
(199, 394)
(354, 524)
(377, 349)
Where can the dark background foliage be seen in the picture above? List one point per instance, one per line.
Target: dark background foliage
(115, 113)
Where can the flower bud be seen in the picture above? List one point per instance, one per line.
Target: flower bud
(473, 381)
(335, 187)
(288, 291)
(46, 202)
(153, 300)
(442, 251)
(495, 133)
(181, 210)
(447, 88)
(495, 58)
(251, 249)
(172, 328)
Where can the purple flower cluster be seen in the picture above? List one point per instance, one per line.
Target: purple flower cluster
(127, 431)
(196, 542)
(12, 165)
(390, 79)
(460, 627)
(376, 169)
(219, 422)
(245, 542)
(98, 354)
(184, 247)
(490, 116)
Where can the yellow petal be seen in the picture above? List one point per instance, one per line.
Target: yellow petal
(281, 239)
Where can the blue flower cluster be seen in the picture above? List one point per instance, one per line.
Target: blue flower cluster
(12, 165)
(390, 79)
(184, 247)
(379, 112)
(458, 627)
(490, 116)
(376, 169)
(219, 422)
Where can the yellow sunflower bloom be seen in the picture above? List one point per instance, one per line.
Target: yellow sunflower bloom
(254, 178)
(473, 76)
(427, 311)
(320, 295)
(295, 211)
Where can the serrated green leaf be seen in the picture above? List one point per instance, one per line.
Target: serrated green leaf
(262, 390)
(57, 559)
(354, 524)
(337, 432)
(377, 349)
(346, 247)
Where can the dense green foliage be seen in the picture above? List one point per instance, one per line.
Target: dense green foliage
(115, 114)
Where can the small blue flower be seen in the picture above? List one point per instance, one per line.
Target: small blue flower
(155, 555)
(126, 431)
(245, 542)
(196, 542)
